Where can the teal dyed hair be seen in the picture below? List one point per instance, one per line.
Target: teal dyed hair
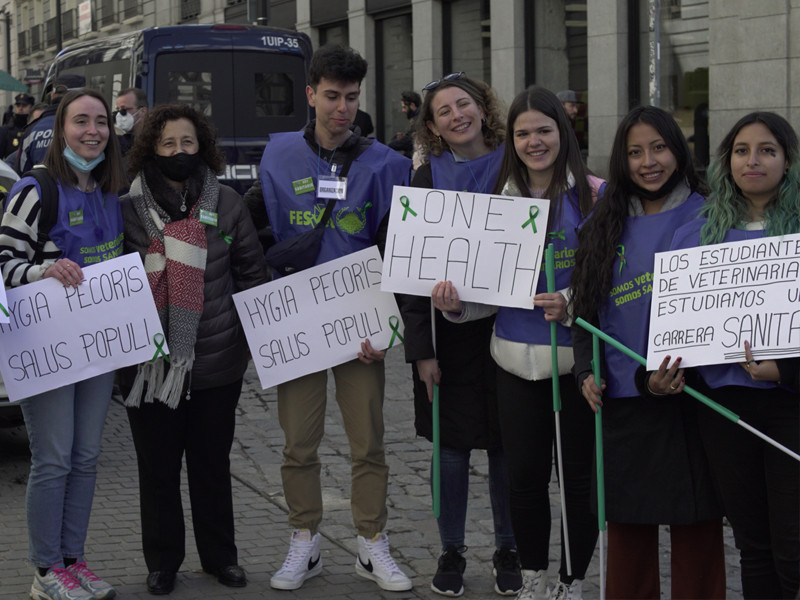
(728, 209)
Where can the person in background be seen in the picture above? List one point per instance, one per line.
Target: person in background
(11, 133)
(131, 105)
(460, 131)
(323, 149)
(364, 122)
(199, 246)
(403, 142)
(65, 425)
(38, 135)
(655, 469)
(755, 183)
(570, 101)
(542, 160)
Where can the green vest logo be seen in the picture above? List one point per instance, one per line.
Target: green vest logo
(352, 222)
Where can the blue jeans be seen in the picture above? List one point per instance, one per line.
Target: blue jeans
(455, 490)
(65, 428)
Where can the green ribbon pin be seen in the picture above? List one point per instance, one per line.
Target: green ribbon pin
(159, 340)
(3, 309)
(407, 208)
(557, 235)
(622, 259)
(394, 325)
(533, 212)
(228, 239)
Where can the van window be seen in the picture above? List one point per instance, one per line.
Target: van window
(248, 94)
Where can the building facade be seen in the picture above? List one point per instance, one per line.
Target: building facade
(706, 61)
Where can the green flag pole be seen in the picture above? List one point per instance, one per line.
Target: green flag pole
(550, 273)
(731, 416)
(601, 482)
(436, 466)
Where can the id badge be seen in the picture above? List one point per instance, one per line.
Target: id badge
(331, 187)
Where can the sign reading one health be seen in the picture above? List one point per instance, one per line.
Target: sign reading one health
(490, 246)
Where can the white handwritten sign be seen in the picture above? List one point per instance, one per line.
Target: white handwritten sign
(4, 314)
(318, 318)
(708, 301)
(489, 246)
(56, 335)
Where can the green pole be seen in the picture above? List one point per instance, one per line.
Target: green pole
(730, 415)
(598, 438)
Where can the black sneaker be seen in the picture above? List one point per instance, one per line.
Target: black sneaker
(507, 575)
(449, 578)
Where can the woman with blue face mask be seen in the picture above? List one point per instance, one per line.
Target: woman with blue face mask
(65, 425)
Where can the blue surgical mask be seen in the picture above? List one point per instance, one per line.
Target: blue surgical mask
(79, 163)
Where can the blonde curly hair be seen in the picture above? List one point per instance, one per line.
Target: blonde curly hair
(493, 127)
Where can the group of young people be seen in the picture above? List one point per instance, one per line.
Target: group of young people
(668, 460)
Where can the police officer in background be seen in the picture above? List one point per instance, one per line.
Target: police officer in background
(37, 136)
(11, 133)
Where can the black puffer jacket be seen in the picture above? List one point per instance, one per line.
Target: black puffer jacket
(221, 352)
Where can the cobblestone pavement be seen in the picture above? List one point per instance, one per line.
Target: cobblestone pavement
(113, 545)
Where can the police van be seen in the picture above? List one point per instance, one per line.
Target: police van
(249, 81)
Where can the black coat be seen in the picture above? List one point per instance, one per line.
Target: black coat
(468, 392)
(221, 352)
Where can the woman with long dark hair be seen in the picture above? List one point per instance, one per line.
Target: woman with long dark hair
(655, 468)
(199, 247)
(65, 425)
(755, 183)
(542, 160)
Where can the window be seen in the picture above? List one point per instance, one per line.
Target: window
(190, 9)
(130, 8)
(273, 92)
(192, 88)
(68, 24)
(106, 14)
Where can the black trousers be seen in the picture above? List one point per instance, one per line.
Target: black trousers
(759, 484)
(202, 428)
(527, 426)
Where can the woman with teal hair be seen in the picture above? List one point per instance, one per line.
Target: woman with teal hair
(755, 182)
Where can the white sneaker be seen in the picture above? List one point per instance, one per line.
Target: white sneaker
(303, 561)
(57, 584)
(99, 589)
(572, 591)
(376, 563)
(534, 585)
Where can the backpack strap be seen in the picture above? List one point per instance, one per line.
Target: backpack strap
(48, 213)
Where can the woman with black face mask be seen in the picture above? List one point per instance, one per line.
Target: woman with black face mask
(199, 246)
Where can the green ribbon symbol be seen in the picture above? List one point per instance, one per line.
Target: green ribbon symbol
(557, 235)
(622, 259)
(394, 324)
(158, 340)
(228, 239)
(407, 208)
(3, 309)
(533, 212)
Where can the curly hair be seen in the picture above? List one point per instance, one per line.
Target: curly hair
(569, 159)
(144, 144)
(109, 173)
(597, 239)
(728, 208)
(493, 129)
(337, 63)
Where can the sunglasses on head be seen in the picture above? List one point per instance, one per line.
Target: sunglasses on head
(434, 84)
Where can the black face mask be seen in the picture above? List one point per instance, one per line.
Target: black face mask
(20, 121)
(178, 167)
(661, 192)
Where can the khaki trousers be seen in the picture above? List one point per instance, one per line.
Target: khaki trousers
(301, 412)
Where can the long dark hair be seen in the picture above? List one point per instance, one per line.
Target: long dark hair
(144, 145)
(597, 240)
(493, 128)
(728, 208)
(109, 173)
(569, 159)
